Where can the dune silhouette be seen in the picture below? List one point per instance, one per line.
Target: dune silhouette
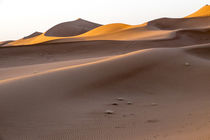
(71, 28)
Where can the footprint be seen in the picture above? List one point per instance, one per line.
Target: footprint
(152, 121)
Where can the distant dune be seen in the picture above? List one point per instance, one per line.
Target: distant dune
(71, 28)
(59, 31)
(33, 35)
(2, 43)
(180, 23)
(82, 30)
(84, 81)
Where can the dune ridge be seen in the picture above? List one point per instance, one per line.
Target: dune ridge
(82, 30)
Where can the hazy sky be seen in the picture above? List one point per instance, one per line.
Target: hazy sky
(22, 17)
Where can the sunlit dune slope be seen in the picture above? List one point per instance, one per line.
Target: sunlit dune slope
(71, 28)
(121, 32)
(38, 39)
(30, 41)
(106, 29)
(204, 11)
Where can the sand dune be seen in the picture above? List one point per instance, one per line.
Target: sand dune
(30, 41)
(62, 30)
(2, 43)
(33, 35)
(199, 34)
(114, 82)
(154, 30)
(203, 12)
(181, 23)
(145, 79)
(51, 52)
(71, 28)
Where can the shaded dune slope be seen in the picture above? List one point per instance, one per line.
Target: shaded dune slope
(200, 35)
(180, 23)
(146, 71)
(71, 28)
(201, 51)
(33, 35)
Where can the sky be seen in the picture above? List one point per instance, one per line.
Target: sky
(20, 18)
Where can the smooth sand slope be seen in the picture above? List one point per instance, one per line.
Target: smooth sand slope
(57, 104)
(115, 82)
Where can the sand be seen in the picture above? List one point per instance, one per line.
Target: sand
(115, 82)
(71, 28)
(164, 28)
(203, 12)
(33, 35)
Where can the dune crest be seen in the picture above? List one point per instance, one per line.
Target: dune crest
(204, 11)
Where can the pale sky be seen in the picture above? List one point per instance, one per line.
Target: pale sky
(20, 18)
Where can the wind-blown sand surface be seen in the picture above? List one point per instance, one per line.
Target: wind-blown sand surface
(115, 82)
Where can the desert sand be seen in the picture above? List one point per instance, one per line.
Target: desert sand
(108, 82)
